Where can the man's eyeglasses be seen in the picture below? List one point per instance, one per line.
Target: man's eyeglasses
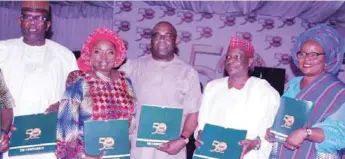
(37, 18)
(312, 55)
(235, 57)
(168, 36)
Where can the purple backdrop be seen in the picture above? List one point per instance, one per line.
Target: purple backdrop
(203, 29)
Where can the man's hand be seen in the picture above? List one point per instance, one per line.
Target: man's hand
(5, 139)
(248, 145)
(198, 141)
(4, 142)
(172, 147)
(52, 108)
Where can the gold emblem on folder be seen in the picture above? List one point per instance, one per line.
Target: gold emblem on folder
(160, 128)
(289, 120)
(106, 143)
(219, 147)
(33, 133)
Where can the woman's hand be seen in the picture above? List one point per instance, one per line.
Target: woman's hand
(52, 108)
(296, 139)
(270, 137)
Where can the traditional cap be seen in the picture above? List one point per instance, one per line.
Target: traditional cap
(36, 5)
(245, 45)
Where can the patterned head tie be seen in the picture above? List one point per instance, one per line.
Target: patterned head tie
(102, 33)
(331, 42)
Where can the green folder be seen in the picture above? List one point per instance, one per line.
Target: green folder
(35, 134)
(220, 143)
(110, 136)
(158, 124)
(292, 115)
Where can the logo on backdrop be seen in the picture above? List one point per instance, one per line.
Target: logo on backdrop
(186, 17)
(274, 41)
(122, 7)
(205, 32)
(144, 33)
(146, 13)
(266, 24)
(167, 11)
(205, 15)
(251, 18)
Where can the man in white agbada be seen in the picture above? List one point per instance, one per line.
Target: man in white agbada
(240, 102)
(35, 69)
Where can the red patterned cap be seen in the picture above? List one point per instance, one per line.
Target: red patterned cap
(36, 5)
(245, 45)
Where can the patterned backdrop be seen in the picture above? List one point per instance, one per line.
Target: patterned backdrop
(202, 37)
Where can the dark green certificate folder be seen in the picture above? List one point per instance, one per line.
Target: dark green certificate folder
(158, 125)
(111, 136)
(34, 134)
(220, 143)
(292, 114)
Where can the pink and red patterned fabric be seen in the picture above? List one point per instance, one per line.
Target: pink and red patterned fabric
(245, 45)
(90, 98)
(101, 33)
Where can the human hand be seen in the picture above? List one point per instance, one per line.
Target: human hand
(248, 145)
(198, 141)
(172, 147)
(52, 108)
(270, 137)
(295, 139)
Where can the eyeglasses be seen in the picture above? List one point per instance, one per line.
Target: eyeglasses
(37, 18)
(235, 57)
(170, 36)
(312, 55)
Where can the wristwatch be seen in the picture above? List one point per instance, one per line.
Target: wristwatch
(257, 147)
(186, 139)
(309, 132)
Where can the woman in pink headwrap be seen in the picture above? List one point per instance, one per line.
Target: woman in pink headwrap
(95, 92)
(240, 101)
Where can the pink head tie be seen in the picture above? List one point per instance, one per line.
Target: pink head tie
(102, 33)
